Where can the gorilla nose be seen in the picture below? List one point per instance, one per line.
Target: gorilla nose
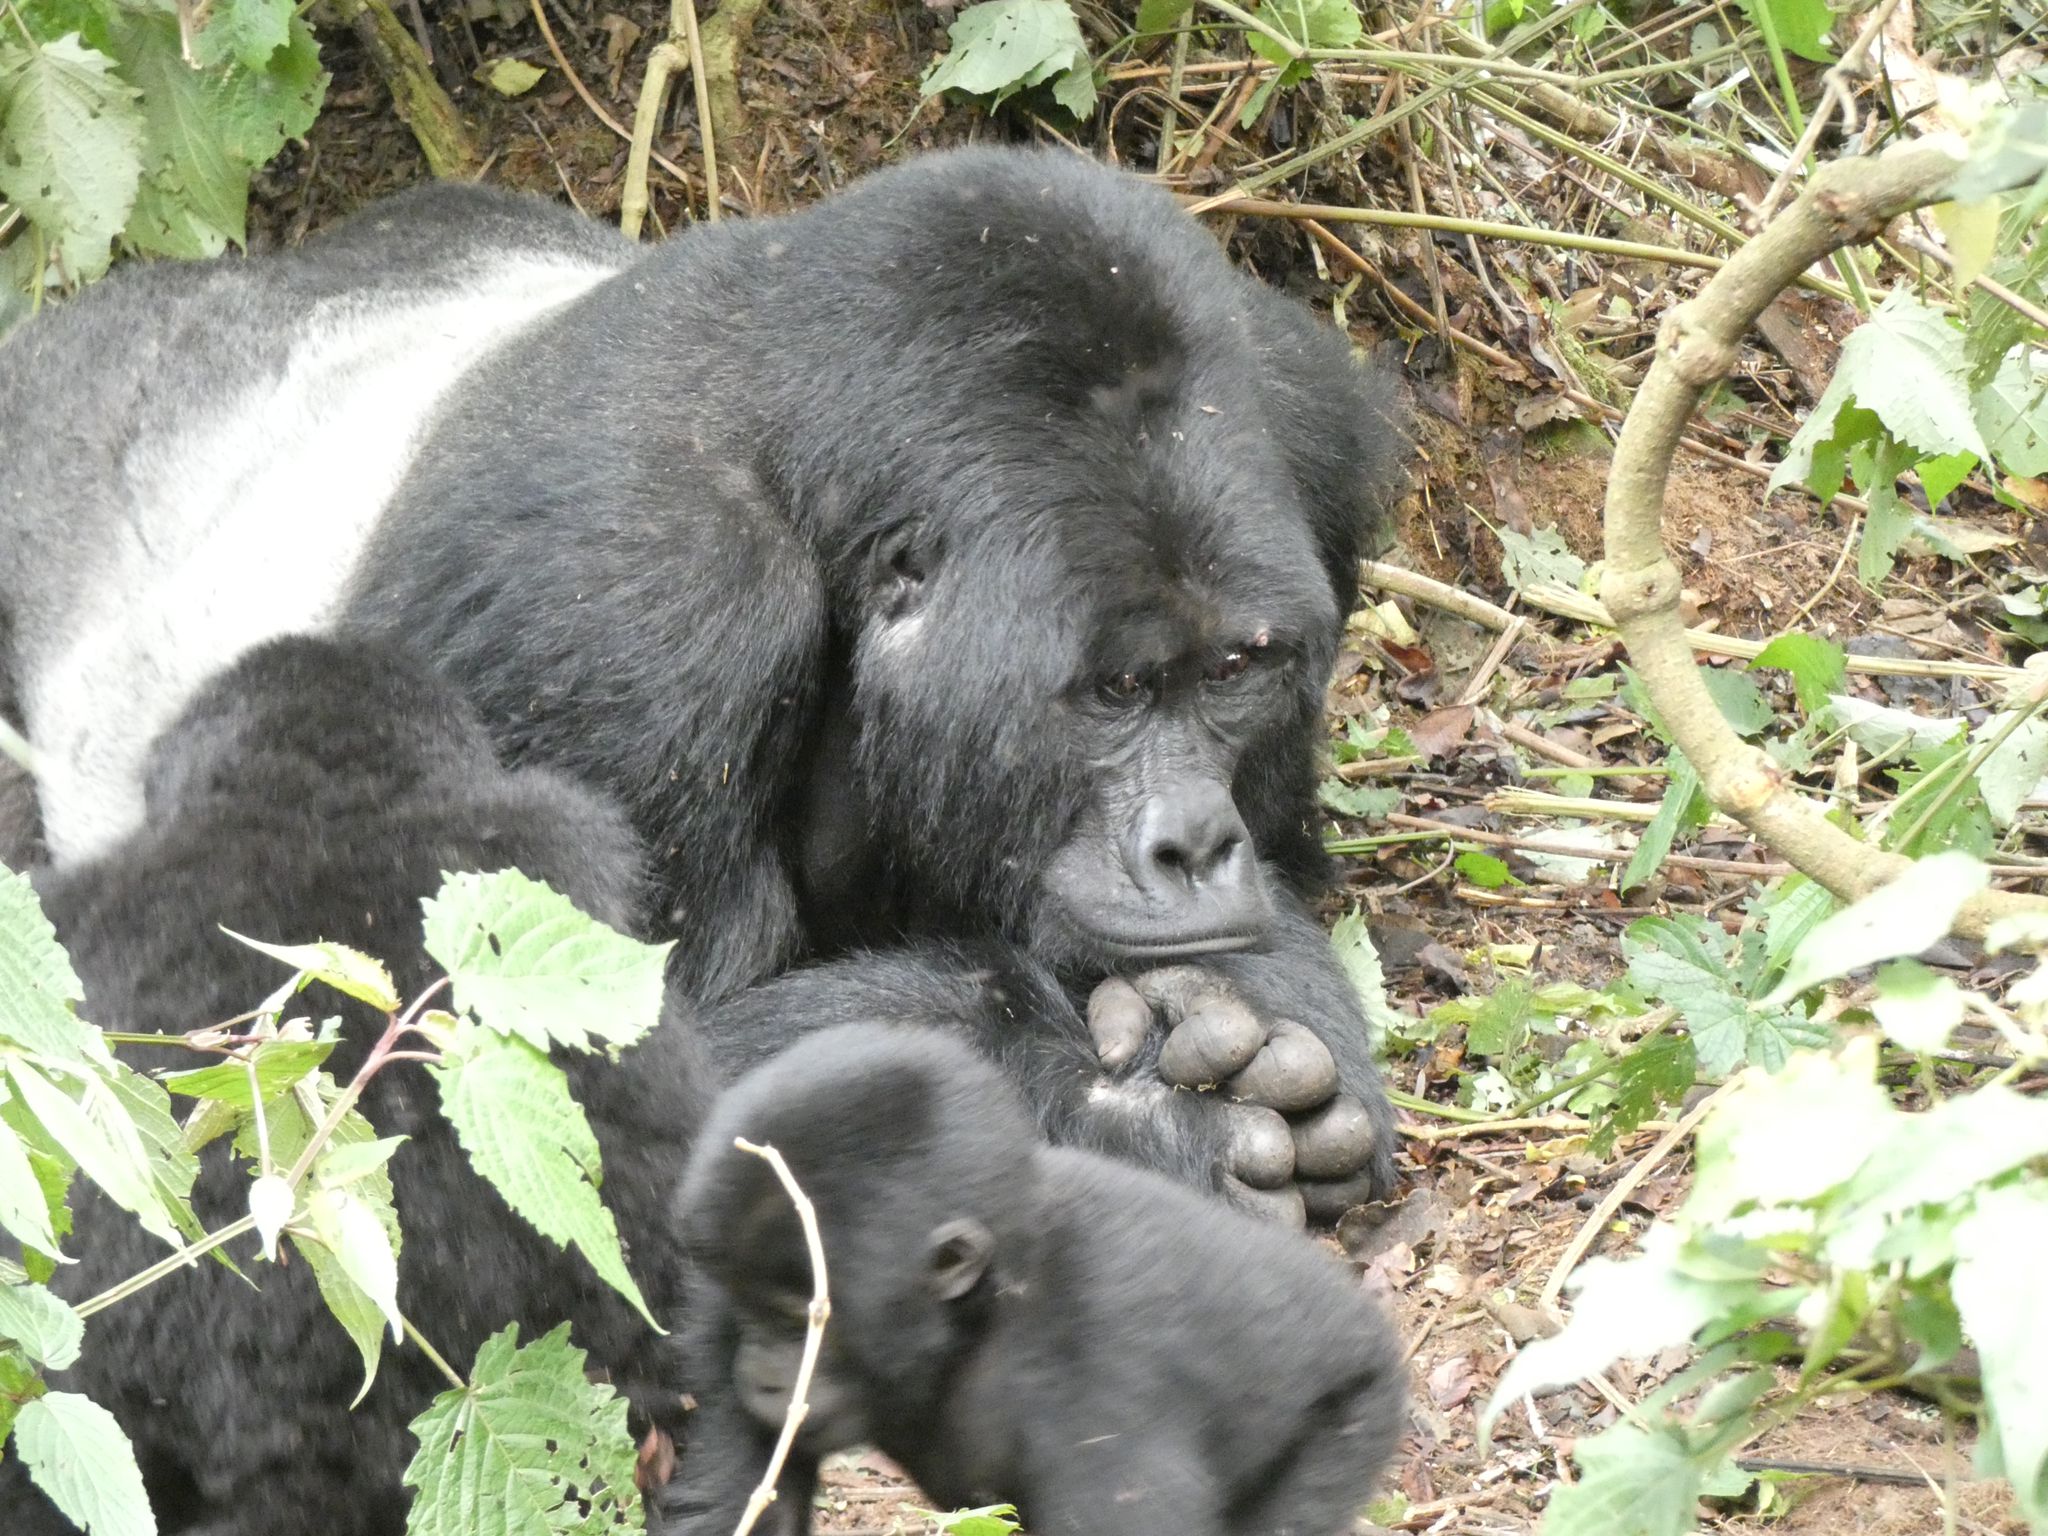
(1188, 840)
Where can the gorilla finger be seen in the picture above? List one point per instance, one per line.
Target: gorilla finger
(1261, 1147)
(1334, 1142)
(1119, 1018)
(1221, 1038)
(1283, 1206)
(1294, 1072)
(1326, 1200)
(1179, 990)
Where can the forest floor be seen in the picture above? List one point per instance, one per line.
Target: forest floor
(829, 88)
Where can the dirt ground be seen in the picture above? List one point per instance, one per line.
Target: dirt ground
(829, 88)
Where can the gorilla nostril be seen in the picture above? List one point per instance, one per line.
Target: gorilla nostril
(1191, 837)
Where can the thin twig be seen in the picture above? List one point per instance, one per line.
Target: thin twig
(597, 108)
(814, 1334)
(1624, 1186)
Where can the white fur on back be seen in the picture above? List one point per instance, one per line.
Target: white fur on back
(246, 524)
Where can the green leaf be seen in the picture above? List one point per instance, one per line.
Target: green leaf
(349, 1229)
(45, 1327)
(1484, 870)
(529, 1448)
(258, 112)
(528, 964)
(1906, 364)
(1683, 807)
(354, 1157)
(1801, 26)
(349, 971)
(2001, 1254)
(278, 1064)
(1741, 702)
(1786, 912)
(1944, 472)
(512, 1111)
(1918, 1008)
(78, 1455)
(512, 77)
(173, 1166)
(24, 1208)
(1631, 1482)
(1541, 555)
(70, 148)
(1886, 527)
(1162, 15)
(2013, 407)
(97, 1134)
(195, 189)
(989, 1520)
(1310, 24)
(1000, 47)
(1900, 918)
(37, 985)
(1645, 1081)
(1819, 667)
(248, 31)
(1941, 1155)
(1368, 802)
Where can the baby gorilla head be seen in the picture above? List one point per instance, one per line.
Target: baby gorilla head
(1020, 1324)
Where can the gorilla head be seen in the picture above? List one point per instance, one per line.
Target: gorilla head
(1098, 540)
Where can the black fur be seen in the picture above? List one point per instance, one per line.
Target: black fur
(318, 791)
(1014, 1323)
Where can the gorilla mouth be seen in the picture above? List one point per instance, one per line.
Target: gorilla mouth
(1118, 946)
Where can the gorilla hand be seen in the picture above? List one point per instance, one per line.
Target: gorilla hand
(1297, 1145)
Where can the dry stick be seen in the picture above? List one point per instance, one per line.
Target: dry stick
(1565, 851)
(597, 108)
(1697, 345)
(679, 48)
(814, 1335)
(1624, 1186)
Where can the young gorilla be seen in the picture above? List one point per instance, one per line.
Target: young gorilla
(963, 558)
(318, 791)
(1010, 1322)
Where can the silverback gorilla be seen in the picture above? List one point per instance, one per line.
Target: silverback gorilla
(1010, 1322)
(316, 790)
(960, 560)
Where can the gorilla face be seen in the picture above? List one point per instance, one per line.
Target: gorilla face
(1102, 669)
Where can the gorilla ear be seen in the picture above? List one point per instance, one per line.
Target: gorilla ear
(898, 569)
(959, 1254)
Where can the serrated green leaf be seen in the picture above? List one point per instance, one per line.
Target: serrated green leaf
(1632, 1482)
(354, 1156)
(1368, 802)
(1941, 474)
(1740, 701)
(247, 31)
(512, 1111)
(37, 985)
(2001, 1254)
(349, 971)
(529, 1448)
(194, 195)
(24, 1208)
(1900, 918)
(1819, 667)
(96, 1133)
(1792, 1136)
(527, 963)
(78, 1455)
(1526, 559)
(70, 147)
(1309, 24)
(350, 1230)
(277, 1065)
(173, 1167)
(42, 1325)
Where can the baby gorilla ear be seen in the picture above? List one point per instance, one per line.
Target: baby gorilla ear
(959, 1254)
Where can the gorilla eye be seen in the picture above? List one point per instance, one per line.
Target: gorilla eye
(1124, 687)
(1232, 664)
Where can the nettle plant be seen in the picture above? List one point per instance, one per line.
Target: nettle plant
(1835, 1243)
(525, 971)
